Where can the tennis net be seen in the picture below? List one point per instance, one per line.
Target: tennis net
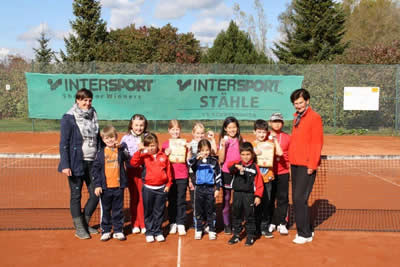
(351, 193)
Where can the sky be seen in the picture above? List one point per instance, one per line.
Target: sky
(22, 20)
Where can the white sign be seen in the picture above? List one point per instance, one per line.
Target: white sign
(361, 98)
(8, 87)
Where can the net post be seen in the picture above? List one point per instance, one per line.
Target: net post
(396, 115)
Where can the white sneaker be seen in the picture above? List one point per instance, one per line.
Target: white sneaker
(197, 235)
(172, 228)
(149, 238)
(302, 240)
(212, 235)
(135, 230)
(143, 231)
(105, 236)
(271, 228)
(160, 238)
(282, 229)
(312, 234)
(207, 229)
(120, 236)
(181, 229)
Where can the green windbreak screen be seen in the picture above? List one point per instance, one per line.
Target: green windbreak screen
(163, 97)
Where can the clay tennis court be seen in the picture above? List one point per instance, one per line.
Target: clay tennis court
(359, 189)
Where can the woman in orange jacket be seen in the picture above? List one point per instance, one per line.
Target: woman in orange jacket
(304, 157)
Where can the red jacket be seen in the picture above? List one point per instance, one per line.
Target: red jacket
(281, 163)
(258, 180)
(306, 140)
(158, 168)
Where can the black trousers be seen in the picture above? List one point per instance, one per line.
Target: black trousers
(265, 209)
(302, 185)
(204, 207)
(280, 193)
(177, 201)
(112, 205)
(154, 205)
(75, 185)
(243, 208)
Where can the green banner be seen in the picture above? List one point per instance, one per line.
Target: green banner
(164, 97)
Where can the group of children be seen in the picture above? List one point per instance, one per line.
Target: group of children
(137, 162)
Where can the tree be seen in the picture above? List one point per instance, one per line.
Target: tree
(371, 22)
(313, 33)
(90, 32)
(233, 46)
(43, 54)
(257, 31)
(151, 44)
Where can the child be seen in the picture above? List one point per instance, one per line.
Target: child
(264, 211)
(136, 131)
(207, 185)
(157, 183)
(248, 189)
(229, 141)
(177, 194)
(110, 181)
(198, 134)
(280, 186)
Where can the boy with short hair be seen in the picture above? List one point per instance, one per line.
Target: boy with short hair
(280, 185)
(110, 181)
(265, 210)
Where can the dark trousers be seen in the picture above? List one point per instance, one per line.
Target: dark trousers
(177, 201)
(302, 185)
(204, 207)
(243, 207)
(112, 205)
(280, 193)
(154, 205)
(265, 209)
(75, 185)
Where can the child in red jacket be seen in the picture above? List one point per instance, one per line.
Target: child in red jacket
(248, 188)
(157, 183)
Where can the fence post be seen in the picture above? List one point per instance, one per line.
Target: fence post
(32, 66)
(396, 115)
(93, 67)
(335, 97)
(33, 125)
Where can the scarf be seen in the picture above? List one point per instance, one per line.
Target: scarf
(87, 124)
(299, 116)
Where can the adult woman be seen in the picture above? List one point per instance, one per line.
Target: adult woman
(304, 157)
(79, 143)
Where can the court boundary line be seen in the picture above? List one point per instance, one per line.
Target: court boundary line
(178, 263)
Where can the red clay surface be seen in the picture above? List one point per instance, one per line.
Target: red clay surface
(354, 188)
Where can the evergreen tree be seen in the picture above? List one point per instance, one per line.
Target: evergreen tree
(316, 33)
(90, 32)
(43, 54)
(233, 46)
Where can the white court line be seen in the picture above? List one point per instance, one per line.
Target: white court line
(377, 176)
(178, 263)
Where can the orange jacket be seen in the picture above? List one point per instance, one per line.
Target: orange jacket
(306, 140)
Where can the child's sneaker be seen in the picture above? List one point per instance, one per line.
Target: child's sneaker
(135, 230)
(271, 227)
(197, 235)
(160, 238)
(120, 236)
(249, 241)
(302, 240)
(105, 236)
(212, 235)
(181, 229)
(282, 229)
(267, 234)
(207, 229)
(143, 231)
(172, 228)
(235, 239)
(149, 238)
